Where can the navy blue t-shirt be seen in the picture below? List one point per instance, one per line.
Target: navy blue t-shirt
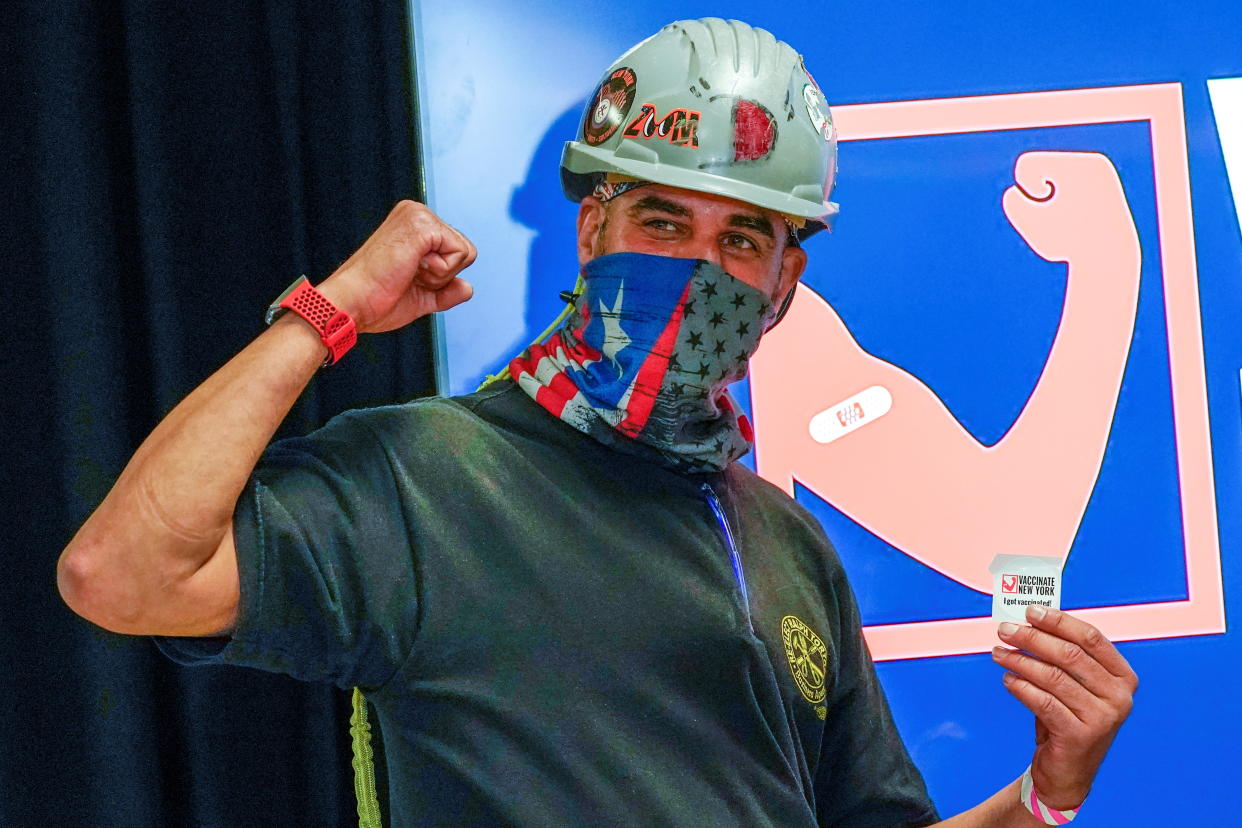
(554, 632)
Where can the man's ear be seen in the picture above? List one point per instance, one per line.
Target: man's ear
(793, 263)
(591, 212)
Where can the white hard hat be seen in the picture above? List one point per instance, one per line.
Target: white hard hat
(715, 106)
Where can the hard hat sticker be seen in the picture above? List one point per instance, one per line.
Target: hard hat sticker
(754, 131)
(679, 127)
(611, 104)
(817, 109)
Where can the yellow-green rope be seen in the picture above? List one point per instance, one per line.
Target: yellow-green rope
(556, 323)
(364, 765)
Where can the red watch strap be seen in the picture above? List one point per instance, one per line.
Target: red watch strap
(336, 328)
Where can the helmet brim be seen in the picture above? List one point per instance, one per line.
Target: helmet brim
(582, 167)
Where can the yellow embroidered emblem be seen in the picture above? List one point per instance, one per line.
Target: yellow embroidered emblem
(808, 657)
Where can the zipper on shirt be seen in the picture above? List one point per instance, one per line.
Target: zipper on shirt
(713, 501)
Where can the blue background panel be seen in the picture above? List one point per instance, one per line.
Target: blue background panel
(927, 274)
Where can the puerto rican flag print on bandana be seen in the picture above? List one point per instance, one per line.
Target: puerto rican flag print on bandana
(646, 355)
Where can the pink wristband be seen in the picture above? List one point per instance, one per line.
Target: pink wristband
(1049, 816)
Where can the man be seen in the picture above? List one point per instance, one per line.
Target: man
(567, 602)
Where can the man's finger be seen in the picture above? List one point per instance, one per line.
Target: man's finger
(433, 272)
(453, 294)
(1052, 679)
(1065, 655)
(452, 254)
(1046, 707)
(1063, 625)
(471, 251)
(438, 268)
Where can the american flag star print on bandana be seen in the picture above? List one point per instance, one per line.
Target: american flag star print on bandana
(646, 355)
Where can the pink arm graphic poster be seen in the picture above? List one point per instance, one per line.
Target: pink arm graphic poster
(919, 480)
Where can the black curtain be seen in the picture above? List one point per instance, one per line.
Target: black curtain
(169, 168)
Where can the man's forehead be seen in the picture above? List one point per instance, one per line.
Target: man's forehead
(678, 201)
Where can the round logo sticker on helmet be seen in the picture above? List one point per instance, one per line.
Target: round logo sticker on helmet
(611, 104)
(817, 109)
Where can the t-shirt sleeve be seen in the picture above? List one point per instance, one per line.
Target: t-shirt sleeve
(865, 778)
(328, 576)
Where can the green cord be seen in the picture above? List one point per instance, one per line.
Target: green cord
(556, 323)
(359, 727)
(364, 765)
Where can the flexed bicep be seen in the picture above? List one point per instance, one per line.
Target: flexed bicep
(907, 470)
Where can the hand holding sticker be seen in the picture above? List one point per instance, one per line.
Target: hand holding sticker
(1064, 671)
(1080, 689)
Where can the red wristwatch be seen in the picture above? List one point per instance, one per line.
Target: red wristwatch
(336, 328)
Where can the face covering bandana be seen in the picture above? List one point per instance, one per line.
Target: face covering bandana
(646, 356)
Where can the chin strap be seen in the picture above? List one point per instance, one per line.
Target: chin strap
(784, 308)
(359, 726)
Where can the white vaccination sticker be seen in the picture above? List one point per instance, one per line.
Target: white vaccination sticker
(838, 420)
(817, 110)
(1018, 581)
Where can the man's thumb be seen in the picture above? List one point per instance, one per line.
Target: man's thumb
(453, 294)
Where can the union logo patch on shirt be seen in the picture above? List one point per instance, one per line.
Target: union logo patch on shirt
(808, 658)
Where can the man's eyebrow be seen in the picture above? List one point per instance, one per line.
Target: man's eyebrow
(754, 221)
(661, 205)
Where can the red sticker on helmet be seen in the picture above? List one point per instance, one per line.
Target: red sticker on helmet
(611, 103)
(754, 131)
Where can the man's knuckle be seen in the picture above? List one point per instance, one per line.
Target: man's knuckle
(1071, 653)
(1092, 637)
(411, 214)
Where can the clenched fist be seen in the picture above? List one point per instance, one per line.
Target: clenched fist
(407, 269)
(1071, 205)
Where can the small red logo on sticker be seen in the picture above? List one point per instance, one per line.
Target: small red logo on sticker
(1009, 583)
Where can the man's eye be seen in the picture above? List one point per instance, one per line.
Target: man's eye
(663, 225)
(739, 241)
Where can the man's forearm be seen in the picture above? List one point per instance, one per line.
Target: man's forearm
(1003, 809)
(172, 506)
(157, 556)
